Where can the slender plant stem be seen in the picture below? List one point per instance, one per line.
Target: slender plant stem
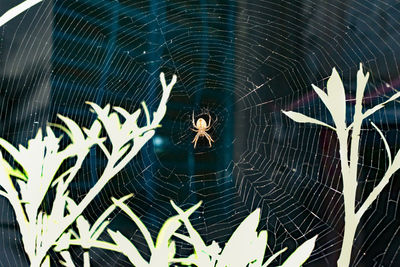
(349, 167)
(108, 173)
(69, 219)
(351, 223)
(37, 242)
(349, 185)
(67, 258)
(376, 191)
(349, 177)
(86, 259)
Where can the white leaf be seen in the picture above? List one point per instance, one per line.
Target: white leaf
(75, 130)
(171, 250)
(128, 249)
(259, 245)
(63, 242)
(239, 250)
(298, 117)
(337, 99)
(322, 95)
(301, 254)
(361, 83)
(273, 257)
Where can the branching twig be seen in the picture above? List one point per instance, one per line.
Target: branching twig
(336, 104)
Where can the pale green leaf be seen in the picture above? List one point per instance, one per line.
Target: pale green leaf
(114, 120)
(113, 128)
(159, 114)
(198, 242)
(60, 178)
(74, 129)
(273, 257)
(167, 231)
(213, 250)
(191, 260)
(71, 205)
(259, 245)
(83, 227)
(46, 262)
(51, 136)
(122, 111)
(371, 111)
(130, 125)
(96, 233)
(23, 191)
(94, 131)
(146, 112)
(18, 157)
(139, 142)
(146, 234)
(238, 251)
(37, 141)
(128, 249)
(121, 152)
(59, 204)
(68, 262)
(4, 193)
(16, 10)
(100, 224)
(361, 84)
(101, 112)
(301, 254)
(171, 250)
(63, 242)
(301, 118)
(337, 99)
(322, 95)
(202, 252)
(13, 172)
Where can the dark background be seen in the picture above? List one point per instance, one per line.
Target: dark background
(242, 62)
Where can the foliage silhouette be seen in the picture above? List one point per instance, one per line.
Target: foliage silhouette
(41, 160)
(245, 247)
(335, 101)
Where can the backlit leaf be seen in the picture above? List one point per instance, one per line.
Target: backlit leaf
(301, 254)
(337, 99)
(128, 249)
(301, 118)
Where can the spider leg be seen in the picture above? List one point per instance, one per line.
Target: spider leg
(208, 138)
(194, 130)
(195, 140)
(209, 127)
(209, 121)
(194, 125)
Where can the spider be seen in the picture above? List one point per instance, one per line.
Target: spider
(201, 128)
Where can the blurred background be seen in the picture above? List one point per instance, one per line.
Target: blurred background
(241, 62)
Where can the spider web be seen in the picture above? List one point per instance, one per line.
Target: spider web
(242, 62)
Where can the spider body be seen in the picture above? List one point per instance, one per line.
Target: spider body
(201, 127)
